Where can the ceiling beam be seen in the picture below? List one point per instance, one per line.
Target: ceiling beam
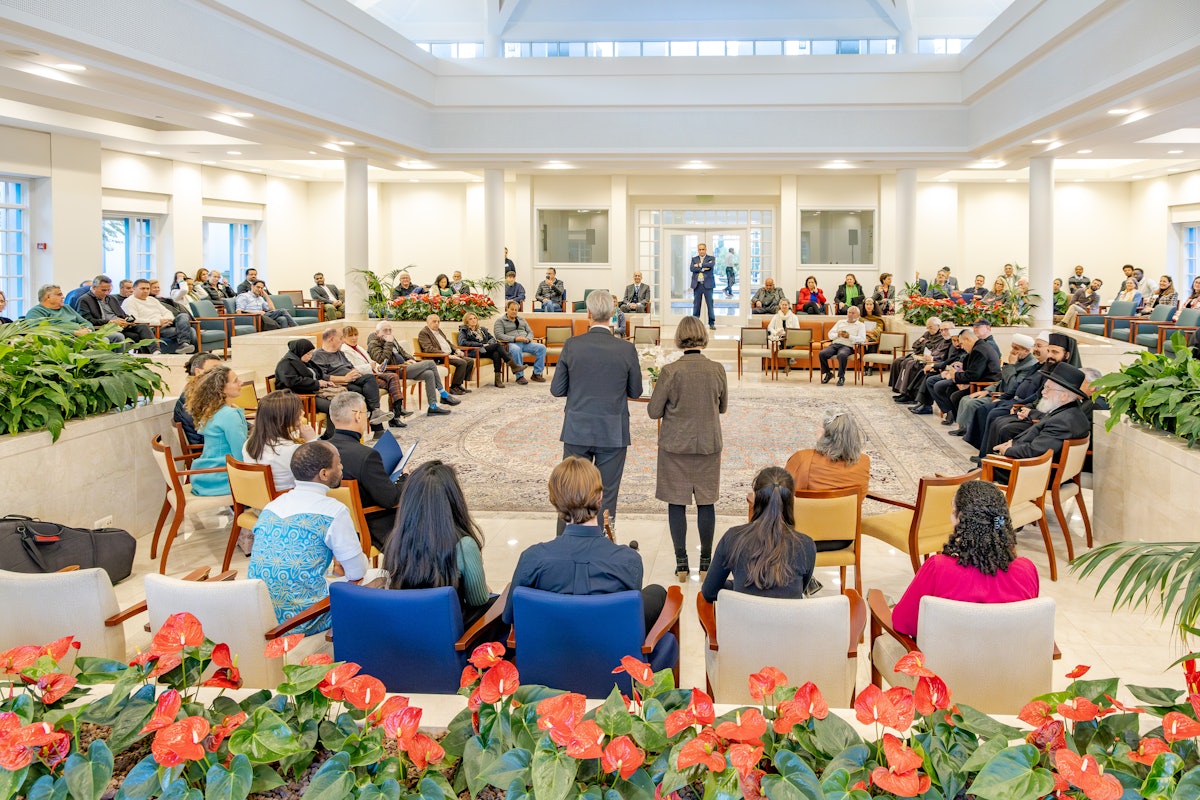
(499, 14)
(895, 12)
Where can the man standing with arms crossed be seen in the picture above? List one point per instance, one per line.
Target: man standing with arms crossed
(597, 373)
(703, 283)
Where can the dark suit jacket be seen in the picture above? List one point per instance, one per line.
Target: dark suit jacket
(981, 364)
(635, 293)
(703, 274)
(365, 465)
(839, 297)
(597, 373)
(1049, 432)
(315, 293)
(299, 376)
(429, 343)
(89, 308)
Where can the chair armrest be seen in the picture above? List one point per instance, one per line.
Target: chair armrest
(891, 502)
(475, 631)
(443, 357)
(372, 509)
(122, 616)
(899, 352)
(992, 463)
(707, 612)
(200, 471)
(198, 574)
(312, 612)
(71, 568)
(858, 620)
(667, 620)
(881, 620)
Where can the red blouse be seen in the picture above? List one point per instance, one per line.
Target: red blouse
(807, 296)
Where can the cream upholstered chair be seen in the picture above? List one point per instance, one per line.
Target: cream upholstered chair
(921, 528)
(1066, 484)
(81, 603)
(347, 494)
(179, 499)
(826, 515)
(253, 486)
(238, 613)
(556, 337)
(808, 639)
(753, 344)
(1028, 482)
(798, 344)
(994, 657)
(646, 334)
(891, 346)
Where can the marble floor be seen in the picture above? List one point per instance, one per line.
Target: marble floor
(1134, 645)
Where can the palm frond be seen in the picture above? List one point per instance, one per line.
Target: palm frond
(1161, 576)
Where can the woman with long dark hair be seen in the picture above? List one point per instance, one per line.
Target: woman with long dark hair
(441, 285)
(1165, 296)
(280, 426)
(811, 299)
(767, 556)
(1193, 300)
(435, 542)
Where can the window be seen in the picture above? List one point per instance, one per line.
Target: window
(942, 46)
(837, 236)
(14, 246)
(573, 237)
(229, 249)
(128, 247)
(688, 47)
(1191, 258)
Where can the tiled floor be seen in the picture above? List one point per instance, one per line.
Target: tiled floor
(1134, 645)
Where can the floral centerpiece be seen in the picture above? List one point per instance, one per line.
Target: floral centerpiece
(956, 309)
(653, 358)
(452, 308)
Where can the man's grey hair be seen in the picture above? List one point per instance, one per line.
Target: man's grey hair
(383, 323)
(842, 439)
(329, 334)
(343, 406)
(1091, 374)
(967, 334)
(935, 321)
(44, 291)
(99, 279)
(600, 305)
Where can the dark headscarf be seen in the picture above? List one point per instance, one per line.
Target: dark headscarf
(301, 347)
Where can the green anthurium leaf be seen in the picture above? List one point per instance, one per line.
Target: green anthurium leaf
(1189, 784)
(981, 724)
(10, 782)
(853, 760)
(1013, 774)
(476, 760)
(93, 669)
(458, 732)
(640, 786)
(613, 716)
(533, 693)
(1156, 696)
(591, 793)
(265, 779)
(513, 765)
(48, 787)
(1095, 690)
(652, 738)
(333, 780)
(141, 782)
(834, 735)
(87, 778)
(127, 728)
(553, 773)
(179, 790)
(518, 791)
(1160, 782)
(983, 754)
(105, 710)
(229, 784)
(265, 738)
(432, 790)
(795, 781)
(301, 677)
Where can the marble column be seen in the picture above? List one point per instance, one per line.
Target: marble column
(493, 222)
(1041, 238)
(906, 228)
(355, 203)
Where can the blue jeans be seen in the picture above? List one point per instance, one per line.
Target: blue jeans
(703, 293)
(180, 331)
(518, 350)
(550, 305)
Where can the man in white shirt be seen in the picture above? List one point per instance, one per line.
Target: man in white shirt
(299, 533)
(843, 336)
(256, 302)
(146, 310)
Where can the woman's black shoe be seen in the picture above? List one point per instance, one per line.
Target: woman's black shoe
(681, 569)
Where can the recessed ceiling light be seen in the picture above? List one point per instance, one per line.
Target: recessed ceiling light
(241, 114)
(1174, 152)
(1042, 141)
(557, 165)
(345, 143)
(71, 67)
(987, 163)
(415, 164)
(1083, 152)
(294, 177)
(233, 152)
(312, 152)
(152, 153)
(695, 165)
(1173, 170)
(840, 163)
(414, 180)
(1079, 180)
(1116, 112)
(943, 180)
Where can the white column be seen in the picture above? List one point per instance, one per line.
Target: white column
(1041, 238)
(356, 235)
(493, 222)
(906, 228)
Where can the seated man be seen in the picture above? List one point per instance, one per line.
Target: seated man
(255, 302)
(932, 338)
(551, 294)
(843, 336)
(1062, 419)
(99, 307)
(197, 365)
(1061, 301)
(51, 305)
(146, 310)
(299, 533)
(938, 370)
(977, 291)
(383, 348)
(456, 282)
(336, 367)
(406, 286)
(1017, 365)
(218, 289)
(582, 560)
(766, 299)
(637, 296)
(515, 332)
(1084, 301)
(248, 284)
(1078, 280)
(348, 422)
(982, 364)
(329, 296)
(513, 291)
(1003, 423)
(941, 285)
(432, 340)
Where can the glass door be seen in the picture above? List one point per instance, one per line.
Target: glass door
(730, 297)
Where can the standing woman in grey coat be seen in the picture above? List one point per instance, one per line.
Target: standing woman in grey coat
(690, 396)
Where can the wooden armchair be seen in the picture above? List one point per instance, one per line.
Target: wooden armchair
(1066, 483)
(347, 494)
(1027, 484)
(921, 528)
(187, 450)
(252, 487)
(179, 497)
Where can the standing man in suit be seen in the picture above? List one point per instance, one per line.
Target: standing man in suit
(597, 373)
(637, 296)
(703, 283)
(328, 295)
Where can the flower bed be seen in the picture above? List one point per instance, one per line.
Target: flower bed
(451, 309)
(918, 309)
(330, 732)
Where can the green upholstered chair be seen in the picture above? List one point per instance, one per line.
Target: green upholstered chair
(1142, 331)
(242, 323)
(1187, 321)
(580, 306)
(1095, 323)
(303, 316)
(215, 329)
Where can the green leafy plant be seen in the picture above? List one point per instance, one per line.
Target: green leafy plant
(453, 308)
(49, 375)
(380, 288)
(1158, 390)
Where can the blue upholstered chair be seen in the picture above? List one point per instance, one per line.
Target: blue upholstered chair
(303, 316)
(1144, 326)
(242, 323)
(1187, 321)
(1095, 323)
(214, 331)
(411, 639)
(574, 642)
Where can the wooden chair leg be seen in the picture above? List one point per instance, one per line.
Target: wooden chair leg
(916, 561)
(876, 632)
(1049, 546)
(162, 518)
(1062, 523)
(175, 524)
(234, 531)
(1087, 522)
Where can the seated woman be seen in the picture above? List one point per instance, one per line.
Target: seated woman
(998, 293)
(1193, 300)
(388, 381)
(435, 542)
(783, 319)
(979, 564)
(280, 426)
(295, 372)
(1165, 296)
(836, 461)
(441, 285)
(812, 299)
(872, 313)
(210, 402)
(472, 334)
(885, 294)
(1129, 293)
(848, 294)
(766, 556)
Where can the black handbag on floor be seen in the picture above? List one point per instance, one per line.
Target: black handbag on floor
(28, 545)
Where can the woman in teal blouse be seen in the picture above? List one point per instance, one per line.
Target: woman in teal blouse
(435, 541)
(209, 401)
(441, 285)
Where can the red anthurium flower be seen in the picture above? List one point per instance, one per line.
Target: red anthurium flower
(333, 684)
(931, 695)
(56, 751)
(560, 714)
(317, 659)
(402, 724)
(1035, 713)
(179, 631)
(469, 676)
(699, 711)
(1191, 676)
(19, 658)
(164, 664)
(54, 685)
(902, 701)
(807, 702)
(900, 776)
(702, 750)
(637, 669)
(1148, 750)
(745, 757)
(622, 756)
(764, 683)
(499, 681)
(1084, 772)
(751, 784)
(1049, 737)
(59, 647)
(487, 655)
(363, 692)
(1079, 709)
(1078, 672)
(389, 707)
(747, 726)
(913, 664)
(278, 648)
(165, 711)
(585, 741)
(474, 701)
(220, 732)
(179, 742)
(424, 751)
(227, 675)
(872, 707)
(18, 745)
(1178, 726)
(1127, 709)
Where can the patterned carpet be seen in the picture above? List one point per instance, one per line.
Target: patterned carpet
(505, 442)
